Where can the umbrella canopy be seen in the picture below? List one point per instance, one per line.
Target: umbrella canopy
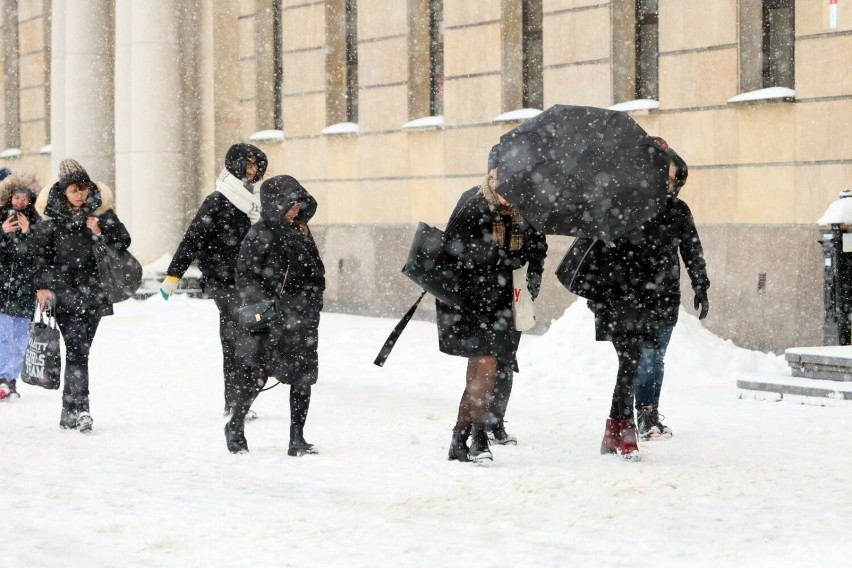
(582, 171)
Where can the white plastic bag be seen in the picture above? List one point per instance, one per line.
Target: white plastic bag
(523, 306)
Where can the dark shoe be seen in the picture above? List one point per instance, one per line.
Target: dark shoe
(84, 422)
(498, 435)
(647, 428)
(609, 444)
(235, 439)
(479, 450)
(68, 419)
(298, 446)
(458, 445)
(665, 431)
(628, 447)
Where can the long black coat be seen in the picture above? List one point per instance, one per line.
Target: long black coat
(17, 295)
(63, 256)
(277, 260)
(645, 275)
(485, 324)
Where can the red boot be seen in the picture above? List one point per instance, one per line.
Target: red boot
(609, 445)
(628, 448)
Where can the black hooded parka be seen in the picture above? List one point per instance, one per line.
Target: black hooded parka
(17, 294)
(63, 255)
(485, 324)
(278, 260)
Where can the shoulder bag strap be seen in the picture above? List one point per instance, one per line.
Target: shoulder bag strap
(397, 331)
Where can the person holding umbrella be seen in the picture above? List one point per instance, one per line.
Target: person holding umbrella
(639, 308)
(670, 232)
(489, 239)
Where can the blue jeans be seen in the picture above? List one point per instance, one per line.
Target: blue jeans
(649, 376)
(13, 343)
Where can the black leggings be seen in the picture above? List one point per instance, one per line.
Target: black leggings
(250, 385)
(78, 332)
(628, 350)
(500, 395)
(227, 302)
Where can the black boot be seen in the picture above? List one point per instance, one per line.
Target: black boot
(498, 434)
(458, 445)
(298, 445)
(235, 438)
(68, 418)
(479, 450)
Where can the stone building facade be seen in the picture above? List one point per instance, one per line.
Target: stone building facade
(386, 110)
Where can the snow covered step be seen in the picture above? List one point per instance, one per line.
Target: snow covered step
(765, 386)
(833, 363)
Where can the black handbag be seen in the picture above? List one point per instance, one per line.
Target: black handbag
(42, 359)
(259, 316)
(119, 271)
(583, 271)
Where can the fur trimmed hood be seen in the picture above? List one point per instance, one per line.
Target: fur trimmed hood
(19, 182)
(51, 201)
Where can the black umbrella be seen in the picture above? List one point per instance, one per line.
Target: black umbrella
(582, 171)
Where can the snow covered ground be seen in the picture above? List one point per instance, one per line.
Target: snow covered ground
(741, 483)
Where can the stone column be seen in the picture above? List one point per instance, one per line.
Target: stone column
(82, 87)
(155, 125)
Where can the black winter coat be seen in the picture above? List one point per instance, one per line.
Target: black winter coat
(63, 256)
(645, 275)
(278, 261)
(17, 295)
(485, 324)
(213, 238)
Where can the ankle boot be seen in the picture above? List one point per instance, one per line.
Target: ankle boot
(610, 439)
(235, 438)
(68, 419)
(628, 447)
(479, 450)
(458, 445)
(298, 445)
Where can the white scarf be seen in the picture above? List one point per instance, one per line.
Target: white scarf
(240, 194)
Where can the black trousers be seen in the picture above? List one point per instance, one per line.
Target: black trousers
(499, 400)
(227, 301)
(628, 350)
(78, 332)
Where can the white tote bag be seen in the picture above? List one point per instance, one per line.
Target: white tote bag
(523, 306)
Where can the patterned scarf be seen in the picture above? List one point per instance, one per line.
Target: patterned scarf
(498, 229)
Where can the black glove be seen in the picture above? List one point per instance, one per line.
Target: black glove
(533, 283)
(701, 302)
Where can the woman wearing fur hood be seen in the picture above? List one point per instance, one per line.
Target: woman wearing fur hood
(17, 295)
(77, 214)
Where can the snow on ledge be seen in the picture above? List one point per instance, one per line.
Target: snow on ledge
(770, 94)
(519, 115)
(46, 149)
(267, 136)
(636, 104)
(10, 153)
(425, 122)
(341, 128)
(840, 210)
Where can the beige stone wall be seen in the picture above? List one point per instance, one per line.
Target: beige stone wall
(760, 173)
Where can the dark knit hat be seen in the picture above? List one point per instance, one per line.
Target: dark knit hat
(238, 157)
(279, 193)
